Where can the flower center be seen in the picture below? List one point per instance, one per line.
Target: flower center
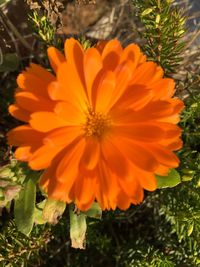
(96, 124)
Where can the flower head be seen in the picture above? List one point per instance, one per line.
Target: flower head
(101, 127)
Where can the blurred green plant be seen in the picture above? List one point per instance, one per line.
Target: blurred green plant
(3, 2)
(8, 62)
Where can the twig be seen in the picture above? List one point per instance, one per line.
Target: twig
(1, 57)
(10, 33)
(14, 30)
(195, 15)
(196, 35)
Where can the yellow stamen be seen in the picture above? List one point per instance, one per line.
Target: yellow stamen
(96, 124)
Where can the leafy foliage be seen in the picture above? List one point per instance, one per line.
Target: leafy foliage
(164, 27)
(42, 28)
(17, 249)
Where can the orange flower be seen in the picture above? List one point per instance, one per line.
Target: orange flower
(101, 127)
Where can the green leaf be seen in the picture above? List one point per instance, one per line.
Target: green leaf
(172, 179)
(147, 11)
(78, 229)
(24, 208)
(53, 209)
(94, 212)
(157, 20)
(38, 213)
(187, 175)
(9, 62)
(190, 229)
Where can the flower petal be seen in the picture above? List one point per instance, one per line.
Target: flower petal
(24, 135)
(135, 97)
(111, 54)
(123, 201)
(67, 169)
(123, 75)
(32, 102)
(132, 188)
(147, 73)
(46, 121)
(163, 89)
(106, 188)
(141, 132)
(32, 83)
(162, 170)
(70, 113)
(131, 52)
(174, 145)
(104, 91)
(19, 113)
(74, 54)
(153, 111)
(53, 144)
(59, 178)
(43, 156)
(40, 72)
(100, 45)
(136, 153)
(70, 86)
(55, 57)
(92, 65)
(147, 180)
(113, 157)
(91, 154)
(84, 191)
(62, 136)
(23, 153)
(164, 156)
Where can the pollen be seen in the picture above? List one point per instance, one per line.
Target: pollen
(96, 124)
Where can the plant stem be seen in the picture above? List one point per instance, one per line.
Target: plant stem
(14, 30)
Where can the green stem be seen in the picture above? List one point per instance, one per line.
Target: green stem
(159, 6)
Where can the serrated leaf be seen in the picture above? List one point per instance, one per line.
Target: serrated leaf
(53, 209)
(78, 229)
(24, 208)
(9, 62)
(172, 179)
(94, 212)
